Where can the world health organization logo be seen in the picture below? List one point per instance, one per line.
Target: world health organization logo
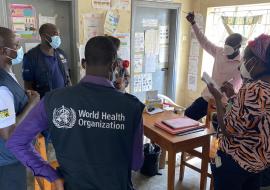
(64, 117)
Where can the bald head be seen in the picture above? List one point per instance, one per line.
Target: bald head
(6, 37)
(48, 29)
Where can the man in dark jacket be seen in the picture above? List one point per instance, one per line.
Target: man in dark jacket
(96, 130)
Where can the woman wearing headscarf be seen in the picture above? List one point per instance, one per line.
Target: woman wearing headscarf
(244, 146)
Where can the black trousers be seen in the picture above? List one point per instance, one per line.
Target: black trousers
(230, 176)
(13, 177)
(265, 178)
(197, 110)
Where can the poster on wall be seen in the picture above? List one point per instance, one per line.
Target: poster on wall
(101, 4)
(163, 54)
(138, 83)
(111, 22)
(147, 81)
(150, 63)
(164, 34)
(46, 19)
(193, 65)
(92, 25)
(121, 4)
(139, 42)
(23, 20)
(138, 63)
(150, 23)
(152, 42)
(192, 82)
(124, 49)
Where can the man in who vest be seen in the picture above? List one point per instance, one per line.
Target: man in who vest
(96, 130)
(15, 104)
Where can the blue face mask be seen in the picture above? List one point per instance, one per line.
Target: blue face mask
(19, 57)
(56, 42)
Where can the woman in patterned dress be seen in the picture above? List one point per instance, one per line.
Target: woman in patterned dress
(244, 150)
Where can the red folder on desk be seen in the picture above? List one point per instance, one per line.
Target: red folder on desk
(181, 123)
(173, 131)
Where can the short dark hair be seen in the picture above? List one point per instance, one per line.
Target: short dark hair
(5, 35)
(100, 51)
(44, 28)
(115, 41)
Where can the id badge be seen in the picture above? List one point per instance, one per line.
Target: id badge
(218, 161)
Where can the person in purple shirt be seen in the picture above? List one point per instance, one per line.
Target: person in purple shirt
(96, 130)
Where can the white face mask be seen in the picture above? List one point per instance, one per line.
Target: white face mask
(228, 50)
(243, 70)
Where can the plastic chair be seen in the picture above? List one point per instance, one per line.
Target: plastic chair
(39, 182)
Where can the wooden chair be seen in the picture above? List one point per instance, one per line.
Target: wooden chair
(195, 153)
(42, 183)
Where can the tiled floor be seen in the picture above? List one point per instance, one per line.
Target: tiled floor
(159, 182)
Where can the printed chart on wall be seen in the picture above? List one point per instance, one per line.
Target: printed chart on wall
(163, 46)
(46, 19)
(23, 20)
(92, 25)
(124, 50)
(121, 4)
(101, 4)
(143, 82)
(111, 22)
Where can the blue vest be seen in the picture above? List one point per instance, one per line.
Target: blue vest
(20, 101)
(92, 129)
(43, 79)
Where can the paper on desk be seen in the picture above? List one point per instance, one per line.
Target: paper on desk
(155, 111)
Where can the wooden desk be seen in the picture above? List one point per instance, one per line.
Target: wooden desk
(174, 144)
